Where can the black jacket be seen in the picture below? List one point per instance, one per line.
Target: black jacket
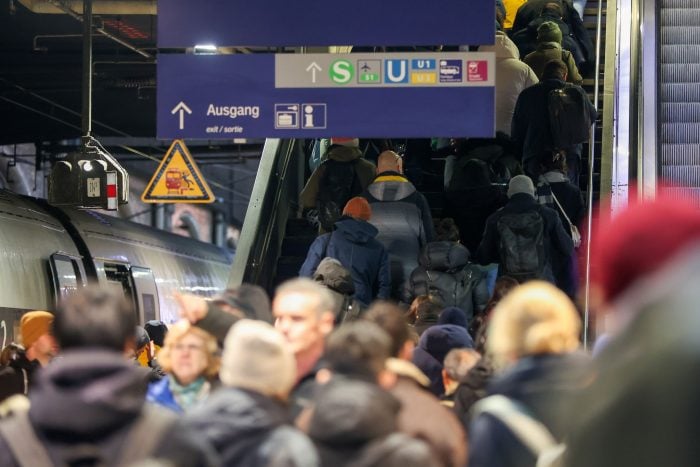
(530, 128)
(470, 208)
(93, 396)
(17, 376)
(557, 243)
(531, 10)
(249, 429)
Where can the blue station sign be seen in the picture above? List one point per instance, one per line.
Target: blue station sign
(320, 95)
(275, 23)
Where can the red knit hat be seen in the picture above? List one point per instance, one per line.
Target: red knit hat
(641, 240)
(358, 207)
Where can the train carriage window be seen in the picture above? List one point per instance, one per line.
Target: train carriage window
(146, 293)
(66, 275)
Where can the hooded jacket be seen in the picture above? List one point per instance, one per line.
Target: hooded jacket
(546, 51)
(445, 269)
(248, 429)
(512, 76)
(557, 243)
(93, 396)
(354, 423)
(353, 243)
(402, 216)
(365, 172)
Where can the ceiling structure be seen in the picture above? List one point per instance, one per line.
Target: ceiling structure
(41, 69)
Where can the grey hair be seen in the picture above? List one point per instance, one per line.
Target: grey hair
(306, 286)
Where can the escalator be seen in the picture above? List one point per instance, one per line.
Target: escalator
(679, 97)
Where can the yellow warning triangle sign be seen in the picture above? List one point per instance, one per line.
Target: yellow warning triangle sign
(178, 179)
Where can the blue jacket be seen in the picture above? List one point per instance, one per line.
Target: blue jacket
(159, 393)
(353, 243)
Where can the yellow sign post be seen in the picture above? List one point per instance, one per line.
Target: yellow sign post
(178, 179)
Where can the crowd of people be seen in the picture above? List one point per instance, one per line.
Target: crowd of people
(242, 380)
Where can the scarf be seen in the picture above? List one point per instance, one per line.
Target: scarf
(187, 396)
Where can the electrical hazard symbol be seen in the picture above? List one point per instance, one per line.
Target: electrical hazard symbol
(177, 179)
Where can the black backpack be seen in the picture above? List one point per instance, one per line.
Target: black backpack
(338, 183)
(569, 120)
(522, 245)
(445, 272)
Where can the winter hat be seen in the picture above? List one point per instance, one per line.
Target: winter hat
(359, 208)
(349, 142)
(331, 273)
(641, 240)
(256, 357)
(156, 331)
(521, 184)
(33, 325)
(440, 339)
(549, 32)
(453, 315)
(142, 338)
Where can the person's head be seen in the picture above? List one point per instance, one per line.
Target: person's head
(555, 69)
(389, 161)
(358, 350)
(446, 230)
(453, 315)
(390, 318)
(521, 184)
(457, 364)
(426, 306)
(157, 330)
(11, 353)
(500, 15)
(536, 318)
(95, 317)
(358, 208)
(503, 286)
(554, 161)
(303, 312)
(38, 341)
(552, 9)
(346, 142)
(141, 350)
(549, 32)
(189, 353)
(245, 301)
(256, 357)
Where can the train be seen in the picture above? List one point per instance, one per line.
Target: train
(49, 252)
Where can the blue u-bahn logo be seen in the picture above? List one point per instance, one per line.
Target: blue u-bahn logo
(395, 71)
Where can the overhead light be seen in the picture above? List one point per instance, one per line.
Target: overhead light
(205, 49)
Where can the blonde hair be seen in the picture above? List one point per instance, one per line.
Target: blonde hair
(176, 333)
(535, 318)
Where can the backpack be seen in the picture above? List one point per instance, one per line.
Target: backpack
(521, 245)
(444, 271)
(569, 121)
(338, 183)
(529, 431)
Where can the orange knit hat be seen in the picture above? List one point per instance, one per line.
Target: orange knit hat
(359, 208)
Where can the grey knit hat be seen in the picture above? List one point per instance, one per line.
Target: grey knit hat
(549, 32)
(521, 184)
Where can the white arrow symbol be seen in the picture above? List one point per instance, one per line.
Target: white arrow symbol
(313, 68)
(182, 108)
